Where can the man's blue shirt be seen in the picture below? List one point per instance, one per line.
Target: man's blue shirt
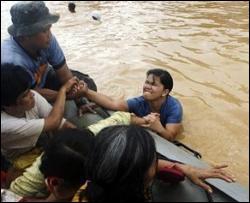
(12, 52)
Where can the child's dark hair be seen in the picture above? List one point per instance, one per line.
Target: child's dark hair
(65, 156)
(14, 81)
(118, 164)
(165, 77)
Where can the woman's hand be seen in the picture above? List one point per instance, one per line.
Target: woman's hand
(198, 175)
(153, 121)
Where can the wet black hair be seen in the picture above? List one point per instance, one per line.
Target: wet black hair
(65, 156)
(118, 164)
(165, 77)
(71, 7)
(15, 80)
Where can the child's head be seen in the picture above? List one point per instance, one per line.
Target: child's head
(15, 88)
(122, 164)
(63, 162)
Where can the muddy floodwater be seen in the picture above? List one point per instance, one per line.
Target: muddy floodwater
(204, 45)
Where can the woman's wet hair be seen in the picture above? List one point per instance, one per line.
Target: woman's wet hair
(119, 163)
(15, 80)
(165, 77)
(65, 156)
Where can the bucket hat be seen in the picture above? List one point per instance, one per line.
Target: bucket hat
(29, 18)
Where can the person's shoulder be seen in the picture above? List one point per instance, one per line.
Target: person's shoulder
(53, 42)
(11, 52)
(38, 97)
(4, 117)
(6, 42)
(9, 44)
(6, 47)
(173, 101)
(54, 49)
(41, 104)
(8, 122)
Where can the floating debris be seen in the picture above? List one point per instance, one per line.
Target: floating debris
(96, 16)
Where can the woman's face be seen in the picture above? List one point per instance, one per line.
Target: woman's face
(153, 88)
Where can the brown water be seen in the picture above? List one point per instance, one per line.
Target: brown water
(204, 45)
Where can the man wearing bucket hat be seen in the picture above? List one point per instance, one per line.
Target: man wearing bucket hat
(33, 46)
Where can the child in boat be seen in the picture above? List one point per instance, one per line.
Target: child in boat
(131, 138)
(60, 170)
(26, 117)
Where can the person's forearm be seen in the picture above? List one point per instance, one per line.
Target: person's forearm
(137, 120)
(58, 107)
(182, 167)
(165, 133)
(48, 94)
(164, 163)
(101, 99)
